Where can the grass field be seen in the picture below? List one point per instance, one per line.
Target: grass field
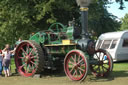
(119, 76)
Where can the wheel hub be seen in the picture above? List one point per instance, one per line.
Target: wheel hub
(27, 59)
(77, 65)
(101, 63)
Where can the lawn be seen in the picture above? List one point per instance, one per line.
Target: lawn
(119, 76)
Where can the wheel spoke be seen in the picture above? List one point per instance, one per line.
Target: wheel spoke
(21, 57)
(99, 69)
(73, 59)
(103, 57)
(34, 57)
(81, 69)
(27, 48)
(24, 52)
(22, 65)
(33, 67)
(30, 67)
(33, 63)
(105, 67)
(27, 68)
(36, 60)
(72, 69)
(82, 65)
(97, 57)
(80, 61)
(31, 52)
(80, 72)
(78, 58)
(74, 73)
(71, 62)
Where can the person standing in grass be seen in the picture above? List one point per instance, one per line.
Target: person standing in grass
(1, 62)
(6, 53)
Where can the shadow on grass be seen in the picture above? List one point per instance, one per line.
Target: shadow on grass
(45, 73)
(120, 74)
(90, 77)
(112, 76)
(55, 73)
(15, 74)
(124, 61)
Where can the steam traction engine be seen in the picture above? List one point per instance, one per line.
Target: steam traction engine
(60, 45)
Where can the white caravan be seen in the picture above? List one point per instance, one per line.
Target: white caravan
(116, 43)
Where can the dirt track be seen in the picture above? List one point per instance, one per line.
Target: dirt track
(121, 78)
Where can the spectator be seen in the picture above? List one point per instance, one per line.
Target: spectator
(19, 41)
(6, 59)
(1, 62)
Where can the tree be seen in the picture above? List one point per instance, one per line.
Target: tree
(100, 20)
(124, 25)
(19, 18)
(121, 3)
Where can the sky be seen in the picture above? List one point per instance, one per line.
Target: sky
(114, 9)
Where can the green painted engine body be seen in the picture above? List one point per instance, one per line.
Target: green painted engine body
(51, 41)
(52, 36)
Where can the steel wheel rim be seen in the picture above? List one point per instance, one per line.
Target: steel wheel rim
(78, 73)
(105, 65)
(26, 59)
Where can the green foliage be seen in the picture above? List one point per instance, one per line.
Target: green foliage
(124, 25)
(19, 18)
(100, 20)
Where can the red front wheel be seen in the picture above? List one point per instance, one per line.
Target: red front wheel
(76, 65)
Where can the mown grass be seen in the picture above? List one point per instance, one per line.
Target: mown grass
(119, 76)
(118, 66)
(120, 69)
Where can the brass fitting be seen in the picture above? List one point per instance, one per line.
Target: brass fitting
(83, 8)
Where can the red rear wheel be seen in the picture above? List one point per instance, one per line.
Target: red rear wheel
(29, 58)
(76, 65)
(105, 63)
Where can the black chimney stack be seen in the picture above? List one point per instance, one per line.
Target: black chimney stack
(84, 22)
(84, 41)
